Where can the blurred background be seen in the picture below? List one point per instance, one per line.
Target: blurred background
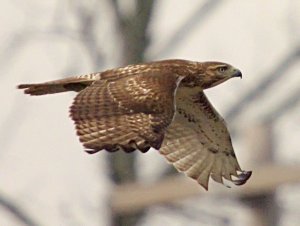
(47, 179)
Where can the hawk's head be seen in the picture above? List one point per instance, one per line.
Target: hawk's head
(210, 74)
(217, 72)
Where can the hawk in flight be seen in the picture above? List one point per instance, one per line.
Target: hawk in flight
(160, 105)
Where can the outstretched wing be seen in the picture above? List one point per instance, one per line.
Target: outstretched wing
(198, 143)
(127, 113)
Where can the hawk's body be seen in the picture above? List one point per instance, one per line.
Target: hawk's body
(160, 105)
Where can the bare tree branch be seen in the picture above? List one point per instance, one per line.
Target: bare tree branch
(86, 32)
(288, 104)
(17, 212)
(197, 215)
(265, 180)
(263, 86)
(199, 17)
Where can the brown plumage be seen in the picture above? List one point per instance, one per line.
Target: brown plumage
(158, 104)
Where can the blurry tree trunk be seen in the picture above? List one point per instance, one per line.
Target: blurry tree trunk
(132, 28)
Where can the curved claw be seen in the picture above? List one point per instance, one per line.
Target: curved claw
(242, 178)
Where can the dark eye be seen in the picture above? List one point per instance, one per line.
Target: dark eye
(222, 69)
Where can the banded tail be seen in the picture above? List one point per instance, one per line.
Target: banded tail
(76, 84)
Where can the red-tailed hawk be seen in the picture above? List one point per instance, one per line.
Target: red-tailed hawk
(158, 104)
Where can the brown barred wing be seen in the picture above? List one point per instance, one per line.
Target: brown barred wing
(128, 113)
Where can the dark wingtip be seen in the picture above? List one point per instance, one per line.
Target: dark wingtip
(242, 178)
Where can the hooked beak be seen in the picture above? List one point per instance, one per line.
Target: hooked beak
(237, 73)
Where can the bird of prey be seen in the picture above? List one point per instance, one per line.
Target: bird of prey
(159, 104)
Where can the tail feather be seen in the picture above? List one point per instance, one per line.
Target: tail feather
(63, 85)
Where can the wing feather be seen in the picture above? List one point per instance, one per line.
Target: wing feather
(125, 113)
(198, 142)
